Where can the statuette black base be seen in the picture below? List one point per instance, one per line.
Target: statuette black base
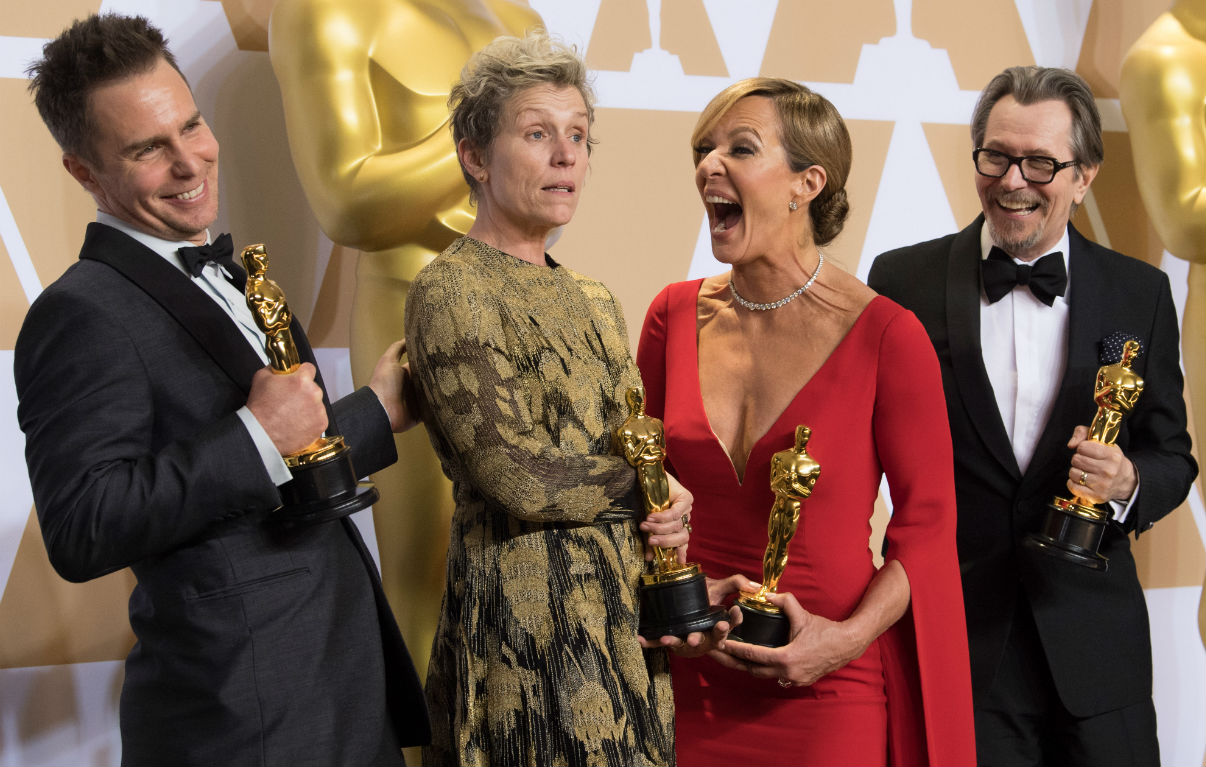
(1072, 536)
(677, 608)
(761, 627)
(323, 491)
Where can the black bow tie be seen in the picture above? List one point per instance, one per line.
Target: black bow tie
(220, 251)
(1046, 278)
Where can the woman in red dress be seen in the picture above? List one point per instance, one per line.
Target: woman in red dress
(876, 670)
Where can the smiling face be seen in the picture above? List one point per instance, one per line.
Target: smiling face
(1026, 220)
(746, 182)
(156, 165)
(533, 178)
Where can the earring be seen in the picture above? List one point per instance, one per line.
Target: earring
(792, 205)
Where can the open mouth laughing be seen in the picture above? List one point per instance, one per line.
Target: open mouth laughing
(1019, 204)
(723, 213)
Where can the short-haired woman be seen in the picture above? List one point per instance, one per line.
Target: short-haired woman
(523, 367)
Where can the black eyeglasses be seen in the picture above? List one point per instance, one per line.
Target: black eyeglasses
(1035, 168)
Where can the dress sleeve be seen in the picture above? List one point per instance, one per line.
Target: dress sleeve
(926, 662)
(475, 375)
(651, 354)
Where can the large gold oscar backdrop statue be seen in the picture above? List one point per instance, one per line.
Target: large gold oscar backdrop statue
(1163, 94)
(365, 85)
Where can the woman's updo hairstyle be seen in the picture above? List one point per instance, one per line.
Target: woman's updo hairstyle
(813, 133)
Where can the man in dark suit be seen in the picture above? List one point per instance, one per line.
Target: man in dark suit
(155, 435)
(1060, 653)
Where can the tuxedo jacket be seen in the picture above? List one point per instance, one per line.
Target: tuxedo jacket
(255, 644)
(1093, 625)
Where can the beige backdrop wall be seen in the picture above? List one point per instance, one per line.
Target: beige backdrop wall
(905, 75)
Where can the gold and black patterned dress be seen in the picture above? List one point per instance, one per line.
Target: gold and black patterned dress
(522, 370)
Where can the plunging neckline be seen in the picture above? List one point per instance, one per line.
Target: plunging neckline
(775, 427)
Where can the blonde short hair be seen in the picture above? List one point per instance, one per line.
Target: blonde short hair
(496, 73)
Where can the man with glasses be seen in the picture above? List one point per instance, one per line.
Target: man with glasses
(1022, 311)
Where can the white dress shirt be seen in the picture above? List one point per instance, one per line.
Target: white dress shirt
(1025, 347)
(212, 280)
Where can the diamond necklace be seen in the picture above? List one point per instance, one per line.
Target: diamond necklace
(753, 307)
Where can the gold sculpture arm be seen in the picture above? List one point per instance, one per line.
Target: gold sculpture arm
(365, 86)
(1162, 91)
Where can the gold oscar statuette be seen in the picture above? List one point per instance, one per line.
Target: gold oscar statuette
(1074, 526)
(793, 475)
(674, 596)
(324, 484)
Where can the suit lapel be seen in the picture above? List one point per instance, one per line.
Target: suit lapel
(203, 319)
(967, 359)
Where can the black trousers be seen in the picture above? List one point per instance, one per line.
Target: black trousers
(1023, 722)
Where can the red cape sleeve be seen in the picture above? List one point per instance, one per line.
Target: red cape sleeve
(926, 667)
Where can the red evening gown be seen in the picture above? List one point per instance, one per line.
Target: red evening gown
(875, 408)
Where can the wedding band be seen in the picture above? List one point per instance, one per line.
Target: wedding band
(1084, 478)
(784, 683)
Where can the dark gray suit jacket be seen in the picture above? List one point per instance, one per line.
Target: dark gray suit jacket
(256, 645)
(1093, 625)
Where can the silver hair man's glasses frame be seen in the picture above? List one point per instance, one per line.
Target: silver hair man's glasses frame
(1036, 169)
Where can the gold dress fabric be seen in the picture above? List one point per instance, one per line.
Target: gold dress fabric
(522, 370)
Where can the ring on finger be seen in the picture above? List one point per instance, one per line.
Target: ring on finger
(1084, 478)
(784, 683)
(687, 524)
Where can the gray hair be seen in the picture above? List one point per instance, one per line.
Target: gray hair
(1029, 85)
(496, 73)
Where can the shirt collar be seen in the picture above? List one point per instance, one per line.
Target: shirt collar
(165, 248)
(1061, 247)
